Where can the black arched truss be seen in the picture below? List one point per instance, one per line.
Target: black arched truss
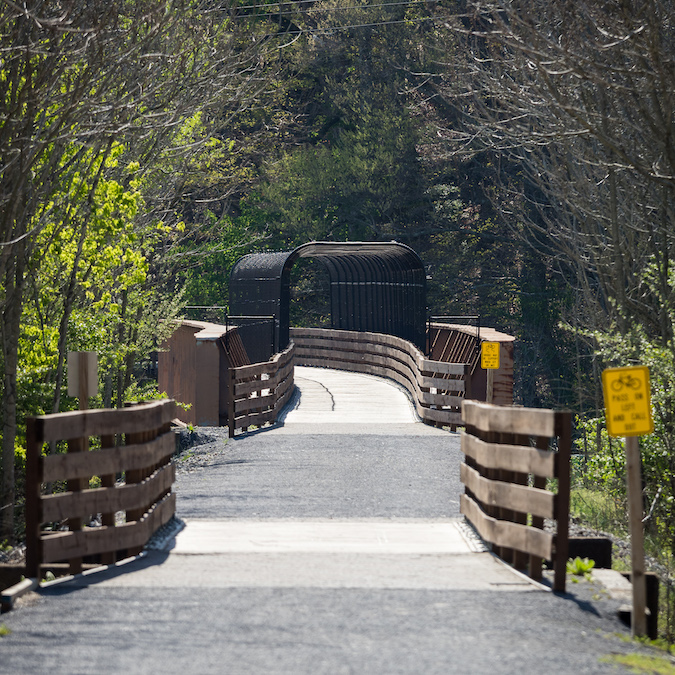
(374, 286)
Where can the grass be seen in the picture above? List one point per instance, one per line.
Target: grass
(4, 630)
(642, 663)
(598, 510)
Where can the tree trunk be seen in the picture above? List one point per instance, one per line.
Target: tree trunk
(11, 320)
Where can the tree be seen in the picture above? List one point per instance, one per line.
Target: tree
(577, 101)
(77, 80)
(580, 98)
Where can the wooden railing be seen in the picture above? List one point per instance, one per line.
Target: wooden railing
(130, 510)
(510, 455)
(437, 388)
(257, 393)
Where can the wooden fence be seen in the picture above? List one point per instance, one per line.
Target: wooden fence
(437, 388)
(131, 511)
(257, 393)
(510, 455)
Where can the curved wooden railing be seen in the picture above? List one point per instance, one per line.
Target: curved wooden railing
(437, 388)
(135, 441)
(257, 393)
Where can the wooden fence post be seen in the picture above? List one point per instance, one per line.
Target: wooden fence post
(467, 381)
(564, 432)
(230, 401)
(108, 481)
(33, 491)
(132, 477)
(77, 485)
(539, 482)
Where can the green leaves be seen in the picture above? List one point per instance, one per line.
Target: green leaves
(580, 566)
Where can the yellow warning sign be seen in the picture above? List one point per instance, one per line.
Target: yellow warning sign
(489, 355)
(627, 401)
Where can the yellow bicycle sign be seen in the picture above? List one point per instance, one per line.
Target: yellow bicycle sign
(489, 355)
(627, 401)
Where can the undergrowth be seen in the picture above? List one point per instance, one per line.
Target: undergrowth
(598, 510)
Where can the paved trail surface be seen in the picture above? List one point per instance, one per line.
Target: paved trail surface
(331, 544)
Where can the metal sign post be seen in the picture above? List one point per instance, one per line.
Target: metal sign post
(489, 360)
(628, 411)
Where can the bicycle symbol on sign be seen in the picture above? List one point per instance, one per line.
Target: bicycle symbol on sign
(627, 381)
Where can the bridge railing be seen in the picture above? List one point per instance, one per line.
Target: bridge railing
(136, 442)
(258, 392)
(437, 388)
(511, 454)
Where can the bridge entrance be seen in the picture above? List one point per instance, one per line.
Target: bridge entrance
(378, 287)
(324, 396)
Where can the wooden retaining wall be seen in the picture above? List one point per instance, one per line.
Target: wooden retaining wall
(193, 366)
(258, 392)
(136, 442)
(437, 388)
(510, 453)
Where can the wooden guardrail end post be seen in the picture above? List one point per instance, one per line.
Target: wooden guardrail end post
(230, 401)
(564, 433)
(33, 489)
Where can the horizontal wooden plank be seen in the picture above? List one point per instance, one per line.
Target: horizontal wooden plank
(257, 385)
(341, 360)
(354, 350)
(442, 400)
(107, 500)
(443, 368)
(297, 334)
(519, 458)
(108, 460)
(361, 367)
(62, 546)
(445, 417)
(365, 340)
(270, 367)
(364, 362)
(350, 355)
(503, 533)
(509, 419)
(254, 403)
(521, 498)
(317, 336)
(441, 384)
(255, 419)
(348, 345)
(104, 421)
(254, 371)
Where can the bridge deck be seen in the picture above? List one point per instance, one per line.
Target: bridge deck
(326, 396)
(310, 548)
